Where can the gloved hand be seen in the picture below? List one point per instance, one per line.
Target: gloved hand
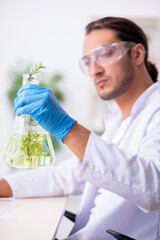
(41, 104)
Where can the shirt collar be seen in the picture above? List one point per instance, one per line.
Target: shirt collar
(147, 96)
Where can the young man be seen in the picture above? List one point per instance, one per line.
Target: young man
(119, 172)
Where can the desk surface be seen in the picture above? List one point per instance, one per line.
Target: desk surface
(35, 219)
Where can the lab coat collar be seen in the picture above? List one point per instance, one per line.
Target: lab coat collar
(113, 118)
(148, 97)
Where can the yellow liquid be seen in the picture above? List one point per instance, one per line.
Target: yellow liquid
(29, 150)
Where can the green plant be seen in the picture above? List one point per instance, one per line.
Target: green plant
(30, 144)
(34, 71)
(52, 83)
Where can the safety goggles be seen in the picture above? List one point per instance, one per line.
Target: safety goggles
(105, 55)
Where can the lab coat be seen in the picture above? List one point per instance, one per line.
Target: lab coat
(119, 177)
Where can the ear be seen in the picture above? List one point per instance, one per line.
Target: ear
(138, 52)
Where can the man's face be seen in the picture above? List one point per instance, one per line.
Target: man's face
(114, 80)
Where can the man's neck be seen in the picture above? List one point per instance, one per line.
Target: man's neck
(127, 101)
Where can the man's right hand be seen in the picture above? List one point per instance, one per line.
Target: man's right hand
(5, 189)
(41, 104)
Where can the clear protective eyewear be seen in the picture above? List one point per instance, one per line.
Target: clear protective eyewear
(105, 55)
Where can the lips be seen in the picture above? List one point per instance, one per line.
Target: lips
(100, 82)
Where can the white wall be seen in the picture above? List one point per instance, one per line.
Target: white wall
(52, 31)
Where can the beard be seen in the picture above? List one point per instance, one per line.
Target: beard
(124, 83)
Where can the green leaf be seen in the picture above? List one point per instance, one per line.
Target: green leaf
(34, 71)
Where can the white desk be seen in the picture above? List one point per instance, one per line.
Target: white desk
(36, 219)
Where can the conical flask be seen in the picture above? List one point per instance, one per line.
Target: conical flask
(29, 146)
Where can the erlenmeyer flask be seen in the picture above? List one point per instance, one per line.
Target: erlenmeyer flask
(29, 146)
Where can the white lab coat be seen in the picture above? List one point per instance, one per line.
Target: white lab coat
(122, 175)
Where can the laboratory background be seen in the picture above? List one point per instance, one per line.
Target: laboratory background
(52, 32)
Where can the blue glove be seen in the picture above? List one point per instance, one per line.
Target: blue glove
(41, 104)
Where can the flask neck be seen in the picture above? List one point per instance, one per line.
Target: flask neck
(34, 79)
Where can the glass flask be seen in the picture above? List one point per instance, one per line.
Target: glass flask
(30, 146)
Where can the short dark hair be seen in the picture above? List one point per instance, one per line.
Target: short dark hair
(125, 30)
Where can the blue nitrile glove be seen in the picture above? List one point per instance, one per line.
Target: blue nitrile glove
(41, 104)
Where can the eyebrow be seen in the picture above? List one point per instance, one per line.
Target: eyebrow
(85, 57)
(98, 48)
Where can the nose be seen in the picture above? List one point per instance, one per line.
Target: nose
(95, 69)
